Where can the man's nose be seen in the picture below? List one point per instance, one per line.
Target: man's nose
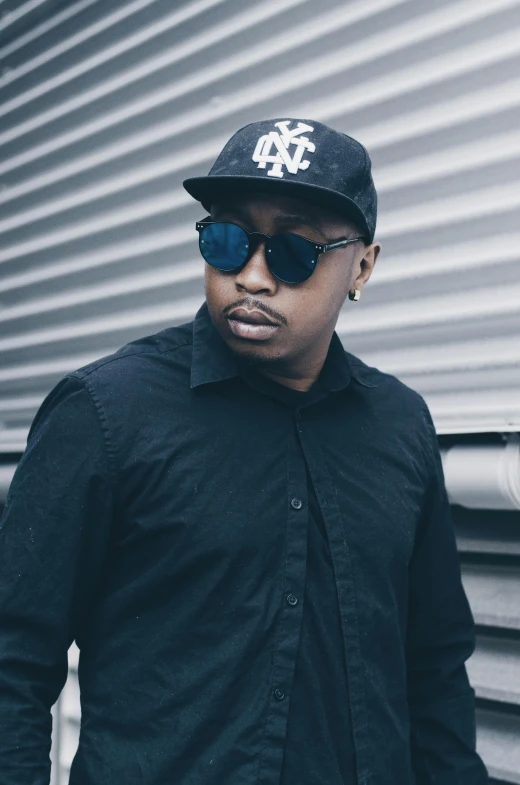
(255, 275)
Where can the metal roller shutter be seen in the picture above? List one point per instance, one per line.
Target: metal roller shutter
(106, 107)
(489, 545)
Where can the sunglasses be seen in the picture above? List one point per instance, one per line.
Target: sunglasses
(290, 257)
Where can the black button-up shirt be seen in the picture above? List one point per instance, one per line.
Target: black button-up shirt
(152, 518)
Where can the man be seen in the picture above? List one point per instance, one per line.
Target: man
(244, 527)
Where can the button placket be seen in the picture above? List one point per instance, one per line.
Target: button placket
(284, 661)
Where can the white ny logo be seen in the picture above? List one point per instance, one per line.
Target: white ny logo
(281, 141)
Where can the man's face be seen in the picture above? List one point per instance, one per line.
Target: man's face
(306, 313)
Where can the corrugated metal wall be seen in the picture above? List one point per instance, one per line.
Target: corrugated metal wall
(106, 107)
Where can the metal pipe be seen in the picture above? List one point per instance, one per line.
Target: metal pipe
(484, 477)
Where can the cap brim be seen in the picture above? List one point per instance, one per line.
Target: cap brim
(206, 189)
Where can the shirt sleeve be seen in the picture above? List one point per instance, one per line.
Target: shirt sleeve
(53, 539)
(440, 638)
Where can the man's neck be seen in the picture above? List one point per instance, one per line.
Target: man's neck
(296, 379)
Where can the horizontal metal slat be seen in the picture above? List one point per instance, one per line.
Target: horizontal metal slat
(494, 669)
(37, 30)
(491, 532)
(11, 16)
(493, 593)
(497, 742)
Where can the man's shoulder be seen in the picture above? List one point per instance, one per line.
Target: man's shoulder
(137, 356)
(384, 385)
(392, 412)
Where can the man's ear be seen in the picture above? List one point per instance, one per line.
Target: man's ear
(366, 264)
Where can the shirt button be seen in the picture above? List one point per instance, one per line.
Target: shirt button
(296, 504)
(291, 599)
(279, 695)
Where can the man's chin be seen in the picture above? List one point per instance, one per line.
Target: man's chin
(257, 357)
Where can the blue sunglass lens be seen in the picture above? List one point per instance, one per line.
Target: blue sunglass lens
(291, 258)
(224, 245)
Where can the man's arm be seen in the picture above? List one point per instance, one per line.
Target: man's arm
(440, 639)
(53, 538)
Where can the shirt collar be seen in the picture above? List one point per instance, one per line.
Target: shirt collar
(213, 360)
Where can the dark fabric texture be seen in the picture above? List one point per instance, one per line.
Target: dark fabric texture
(161, 516)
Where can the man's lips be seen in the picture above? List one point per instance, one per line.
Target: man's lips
(251, 317)
(251, 325)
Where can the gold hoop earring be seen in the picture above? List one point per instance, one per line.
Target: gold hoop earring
(354, 295)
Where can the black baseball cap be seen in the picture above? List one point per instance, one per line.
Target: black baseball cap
(295, 157)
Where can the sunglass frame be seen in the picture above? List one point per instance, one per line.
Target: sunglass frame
(319, 247)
